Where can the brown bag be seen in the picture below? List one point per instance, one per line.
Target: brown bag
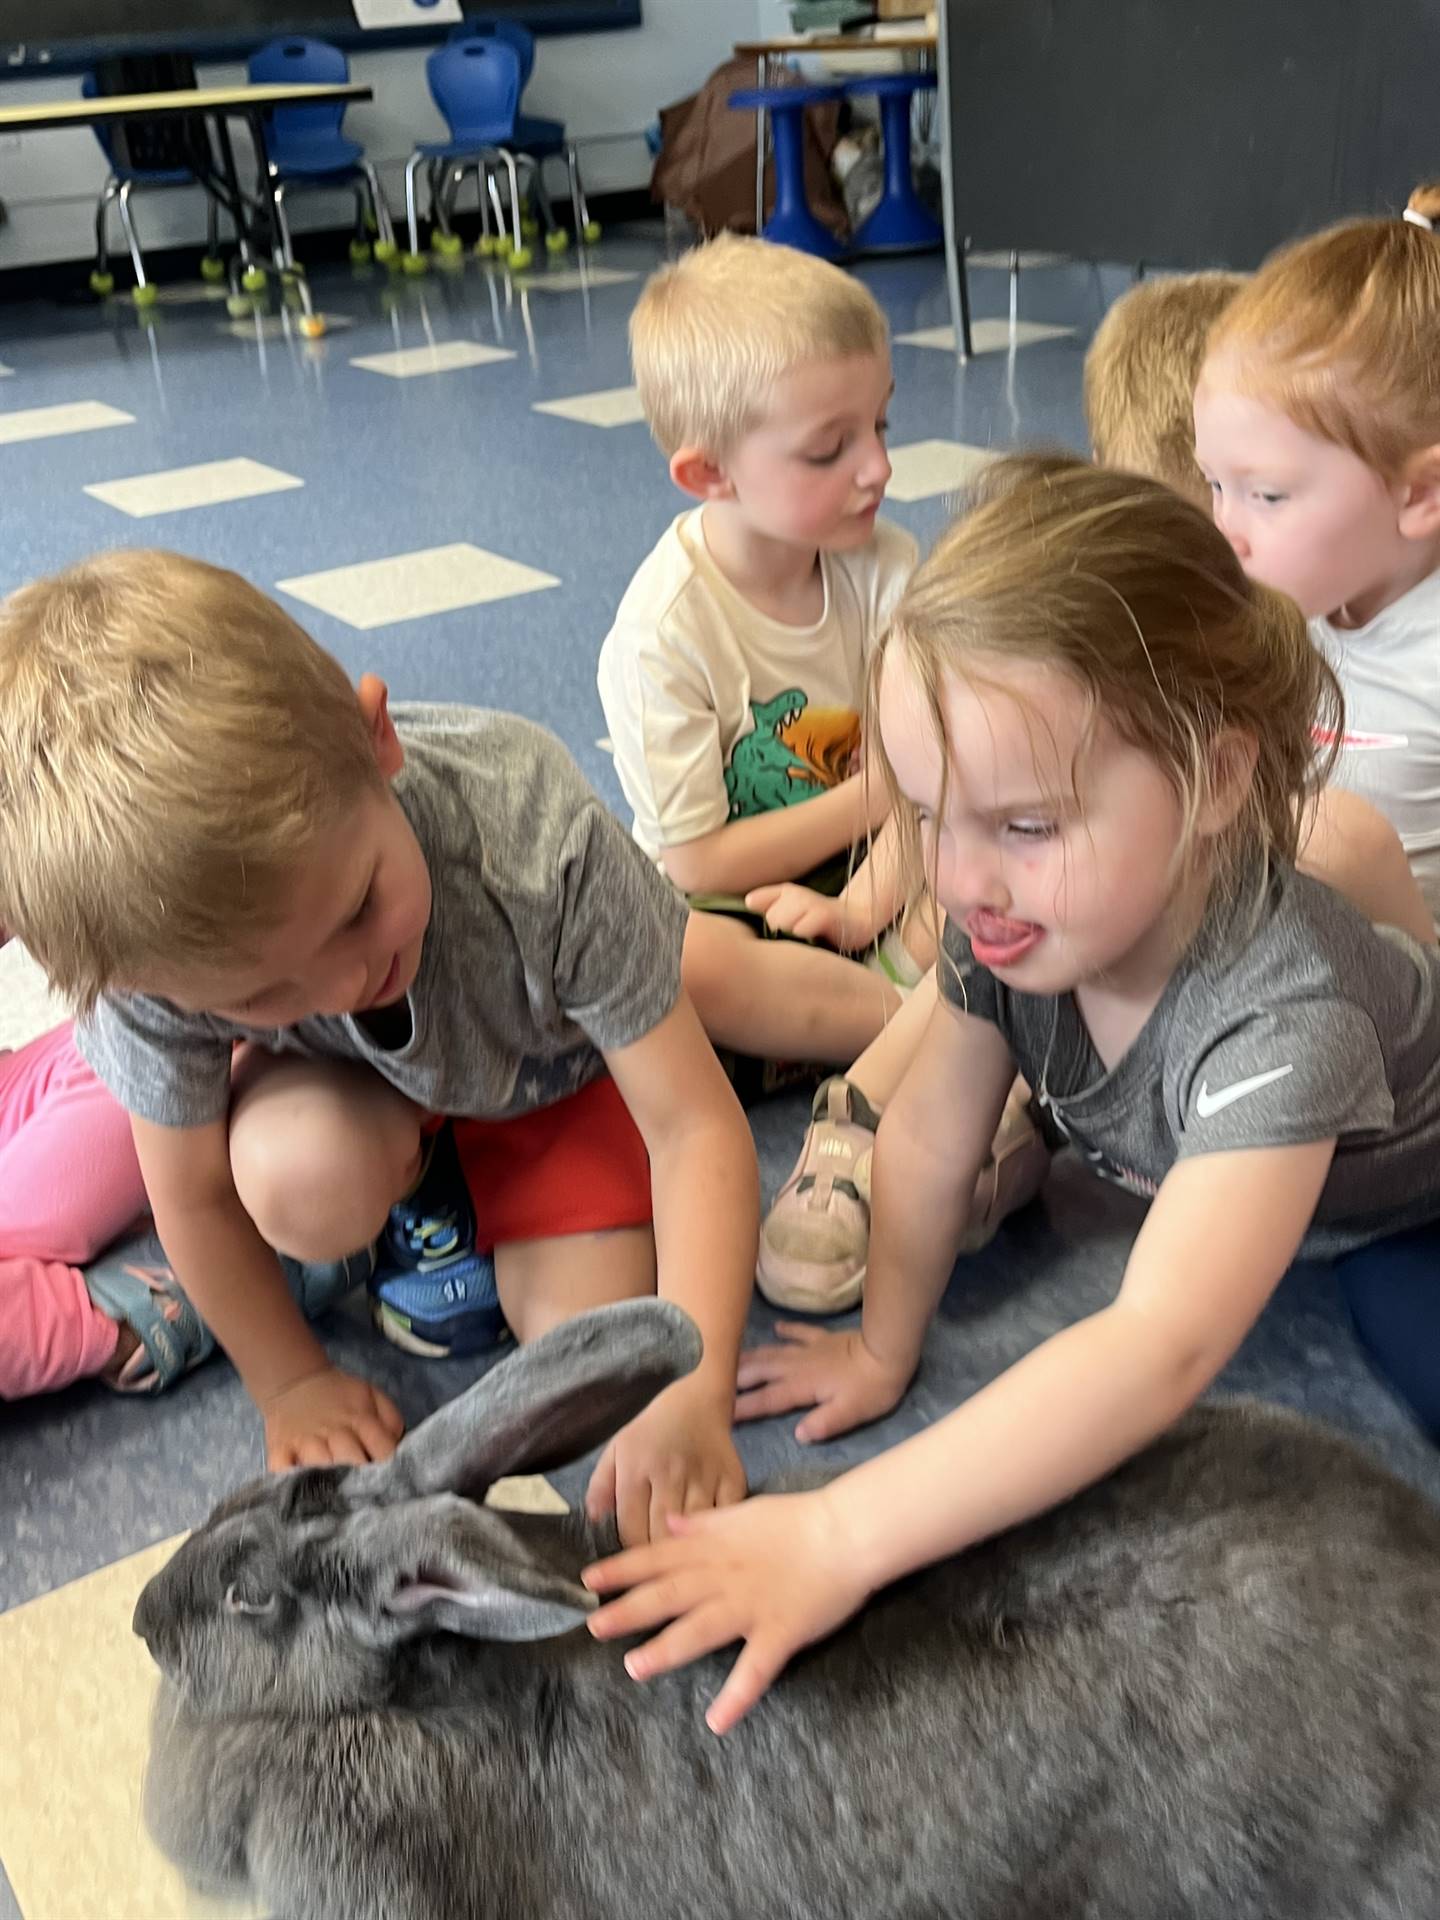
(706, 164)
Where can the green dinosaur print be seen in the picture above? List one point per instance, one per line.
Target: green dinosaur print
(763, 773)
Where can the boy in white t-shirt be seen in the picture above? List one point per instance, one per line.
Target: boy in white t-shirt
(733, 679)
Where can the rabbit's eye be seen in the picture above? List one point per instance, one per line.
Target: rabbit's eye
(237, 1600)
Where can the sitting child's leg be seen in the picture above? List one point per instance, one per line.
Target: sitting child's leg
(69, 1179)
(1390, 1289)
(562, 1195)
(543, 1282)
(781, 999)
(69, 1182)
(54, 1333)
(321, 1150)
(815, 1240)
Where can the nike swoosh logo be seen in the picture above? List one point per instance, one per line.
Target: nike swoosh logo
(1207, 1103)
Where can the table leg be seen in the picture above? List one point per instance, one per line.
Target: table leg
(759, 149)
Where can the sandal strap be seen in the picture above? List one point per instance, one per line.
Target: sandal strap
(135, 1283)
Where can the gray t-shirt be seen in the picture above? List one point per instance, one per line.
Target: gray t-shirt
(1318, 1024)
(551, 935)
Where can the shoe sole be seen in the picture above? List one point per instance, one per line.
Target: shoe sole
(399, 1330)
(792, 1299)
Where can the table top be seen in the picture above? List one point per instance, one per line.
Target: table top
(839, 43)
(133, 106)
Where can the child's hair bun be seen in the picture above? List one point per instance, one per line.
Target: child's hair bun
(1422, 209)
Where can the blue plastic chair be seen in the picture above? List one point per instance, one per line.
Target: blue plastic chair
(538, 139)
(308, 149)
(791, 223)
(124, 178)
(475, 82)
(898, 223)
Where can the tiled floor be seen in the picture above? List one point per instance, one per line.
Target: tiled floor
(460, 526)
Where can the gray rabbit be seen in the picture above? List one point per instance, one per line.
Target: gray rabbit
(1208, 1687)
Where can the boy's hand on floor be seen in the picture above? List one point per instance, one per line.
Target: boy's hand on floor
(678, 1456)
(777, 1573)
(329, 1418)
(835, 1373)
(790, 908)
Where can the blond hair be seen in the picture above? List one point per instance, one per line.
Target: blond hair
(1131, 592)
(1341, 332)
(714, 331)
(170, 743)
(1140, 377)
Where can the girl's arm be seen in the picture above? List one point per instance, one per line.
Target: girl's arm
(778, 1573)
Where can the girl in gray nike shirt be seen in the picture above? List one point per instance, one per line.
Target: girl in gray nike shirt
(1100, 734)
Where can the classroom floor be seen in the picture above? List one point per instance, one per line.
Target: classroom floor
(452, 488)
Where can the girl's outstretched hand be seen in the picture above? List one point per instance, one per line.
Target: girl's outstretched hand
(776, 1572)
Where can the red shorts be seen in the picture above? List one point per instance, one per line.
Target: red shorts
(578, 1166)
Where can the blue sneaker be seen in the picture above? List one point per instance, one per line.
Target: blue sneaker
(431, 1293)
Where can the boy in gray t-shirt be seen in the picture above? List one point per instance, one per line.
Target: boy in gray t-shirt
(302, 933)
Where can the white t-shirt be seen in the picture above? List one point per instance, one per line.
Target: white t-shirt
(715, 710)
(1390, 671)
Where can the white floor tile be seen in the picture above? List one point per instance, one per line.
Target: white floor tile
(208, 485)
(47, 423)
(574, 279)
(928, 467)
(446, 357)
(407, 586)
(986, 336)
(611, 407)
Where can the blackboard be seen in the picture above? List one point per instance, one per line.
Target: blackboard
(1185, 133)
(68, 35)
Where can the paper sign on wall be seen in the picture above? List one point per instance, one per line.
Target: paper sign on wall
(406, 13)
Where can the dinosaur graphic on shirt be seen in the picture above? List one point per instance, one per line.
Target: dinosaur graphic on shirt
(793, 752)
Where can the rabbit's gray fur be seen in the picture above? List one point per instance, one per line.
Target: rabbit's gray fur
(1207, 1687)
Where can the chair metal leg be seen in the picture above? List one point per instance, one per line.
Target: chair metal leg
(1014, 289)
(439, 211)
(284, 247)
(212, 227)
(412, 167)
(379, 205)
(540, 193)
(492, 188)
(508, 160)
(132, 239)
(579, 207)
(102, 225)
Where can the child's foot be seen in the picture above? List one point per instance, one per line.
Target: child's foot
(432, 1293)
(1017, 1169)
(161, 1336)
(815, 1240)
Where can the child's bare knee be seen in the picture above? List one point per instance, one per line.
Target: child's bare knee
(310, 1196)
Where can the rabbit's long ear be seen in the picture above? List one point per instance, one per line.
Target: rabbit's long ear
(443, 1565)
(544, 1406)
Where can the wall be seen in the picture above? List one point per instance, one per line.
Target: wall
(608, 85)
